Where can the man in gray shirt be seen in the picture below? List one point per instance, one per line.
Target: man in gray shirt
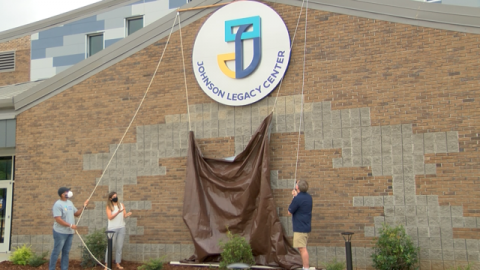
(64, 213)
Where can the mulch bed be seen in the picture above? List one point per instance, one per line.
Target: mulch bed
(75, 265)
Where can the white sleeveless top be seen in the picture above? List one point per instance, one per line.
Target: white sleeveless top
(116, 222)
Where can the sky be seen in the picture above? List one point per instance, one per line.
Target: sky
(15, 13)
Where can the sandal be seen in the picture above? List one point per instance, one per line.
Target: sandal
(119, 266)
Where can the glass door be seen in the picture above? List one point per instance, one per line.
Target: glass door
(5, 214)
(7, 164)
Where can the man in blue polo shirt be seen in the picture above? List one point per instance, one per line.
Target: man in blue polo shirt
(301, 211)
(64, 213)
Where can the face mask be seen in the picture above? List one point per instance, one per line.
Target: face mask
(69, 195)
(115, 199)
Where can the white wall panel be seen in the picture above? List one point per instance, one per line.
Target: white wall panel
(43, 73)
(74, 39)
(41, 63)
(114, 33)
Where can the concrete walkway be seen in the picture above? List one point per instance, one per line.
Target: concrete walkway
(4, 256)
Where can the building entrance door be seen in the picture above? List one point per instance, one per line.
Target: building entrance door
(6, 188)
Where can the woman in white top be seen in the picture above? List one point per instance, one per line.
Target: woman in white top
(116, 213)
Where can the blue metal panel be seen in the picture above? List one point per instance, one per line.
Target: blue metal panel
(38, 54)
(87, 27)
(47, 43)
(54, 32)
(68, 59)
(111, 41)
(3, 133)
(61, 31)
(176, 3)
(11, 127)
(86, 20)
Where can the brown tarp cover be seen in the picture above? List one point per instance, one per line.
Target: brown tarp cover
(237, 194)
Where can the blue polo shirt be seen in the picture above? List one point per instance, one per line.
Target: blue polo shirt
(301, 210)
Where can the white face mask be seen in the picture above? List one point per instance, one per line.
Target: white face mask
(69, 194)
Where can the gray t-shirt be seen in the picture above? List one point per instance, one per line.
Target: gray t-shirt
(65, 210)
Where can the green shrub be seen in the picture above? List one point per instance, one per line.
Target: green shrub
(462, 267)
(153, 264)
(394, 250)
(335, 265)
(21, 255)
(37, 260)
(97, 244)
(235, 250)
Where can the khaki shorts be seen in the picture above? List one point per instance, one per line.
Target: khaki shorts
(300, 239)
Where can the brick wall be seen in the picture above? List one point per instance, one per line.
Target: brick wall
(390, 135)
(21, 46)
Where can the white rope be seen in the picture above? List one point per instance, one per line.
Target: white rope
(184, 71)
(291, 46)
(303, 87)
(134, 116)
(126, 131)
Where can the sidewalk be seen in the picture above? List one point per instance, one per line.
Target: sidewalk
(4, 256)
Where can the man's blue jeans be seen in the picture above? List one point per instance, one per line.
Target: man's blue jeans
(63, 243)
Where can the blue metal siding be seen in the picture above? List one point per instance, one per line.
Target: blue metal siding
(11, 129)
(38, 54)
(47, 43)
(66, 45)
(87, 27)
(176, 3)
(7, 133)
(86, 20)
(111, 41)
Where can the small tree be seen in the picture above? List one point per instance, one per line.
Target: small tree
(335, 265)
(97, 244)
(38, 260)
(235, 250)
(394, 250)
(153, 264)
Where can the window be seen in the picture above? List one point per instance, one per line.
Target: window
(6, 166)
(7, 61)
(134, 24)
(95, 44)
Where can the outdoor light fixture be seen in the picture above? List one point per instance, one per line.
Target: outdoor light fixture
(110, 235)
(347, 236)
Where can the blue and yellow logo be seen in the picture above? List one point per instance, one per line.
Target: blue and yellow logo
(243, 25)
(241, 53)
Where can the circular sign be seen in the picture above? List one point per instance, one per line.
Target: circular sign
(241, 53)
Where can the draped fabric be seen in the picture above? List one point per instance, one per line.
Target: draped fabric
(235, 194)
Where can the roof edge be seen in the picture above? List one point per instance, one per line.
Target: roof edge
(7, 103)
(446, 17)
